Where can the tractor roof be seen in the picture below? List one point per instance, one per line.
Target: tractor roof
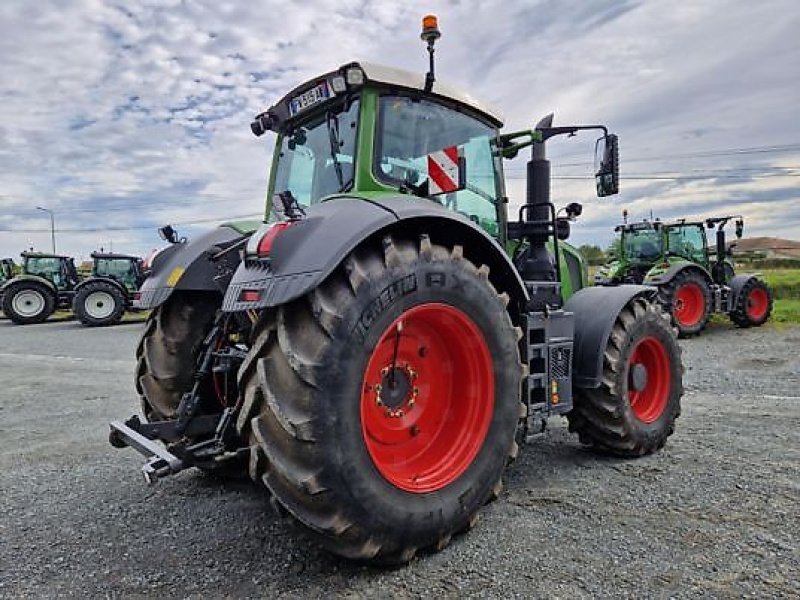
(112, 255)
(43, 255)
(388, 77)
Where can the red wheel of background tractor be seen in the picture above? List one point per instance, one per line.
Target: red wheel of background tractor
(423, 429)
(753, 304)
(650, 376)
(687, 298)
(689, 305)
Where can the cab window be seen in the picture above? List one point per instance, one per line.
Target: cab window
(689, 242)
(410, 129)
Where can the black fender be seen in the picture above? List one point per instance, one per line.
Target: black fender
(27, 277)
(306, 253)
(109, 280)
(186, 266)
(596, 309)
(670, 273)
(737, 284)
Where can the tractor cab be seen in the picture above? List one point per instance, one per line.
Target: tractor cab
(57, 269)
(370, 129)
(6, 269)
(124, 269)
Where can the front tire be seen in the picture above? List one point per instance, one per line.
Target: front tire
(98, 304)
(633, 411)
(28, 302)
(377, 461)
(753, 305)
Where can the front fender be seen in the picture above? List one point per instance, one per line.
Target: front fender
(596, 310)
(306, 253)
(109, 280)
(185, 266)
(736, 284)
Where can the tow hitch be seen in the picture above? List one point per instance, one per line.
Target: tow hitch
(161, 461)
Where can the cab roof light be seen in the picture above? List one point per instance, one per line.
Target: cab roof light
(355, 76)
(338, 84)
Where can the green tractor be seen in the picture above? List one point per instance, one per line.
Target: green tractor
(6, 269)
(45, 283)
(370, 352)
(692, 282)
(103, 298)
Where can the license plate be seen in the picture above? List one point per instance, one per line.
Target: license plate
(308, 98)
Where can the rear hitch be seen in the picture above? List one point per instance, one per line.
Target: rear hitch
(161, 461)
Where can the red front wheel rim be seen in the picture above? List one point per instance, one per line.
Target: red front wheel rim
(757, 304)
(649, 373)
(425, 419)
(689, 304)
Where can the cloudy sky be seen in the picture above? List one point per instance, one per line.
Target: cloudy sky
(121, 116)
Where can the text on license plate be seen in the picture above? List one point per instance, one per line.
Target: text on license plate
(308, 98)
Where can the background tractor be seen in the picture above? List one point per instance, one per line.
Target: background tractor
(103, 298)
(692, 281)
(371, 352)
(6, 269)
(46, 282)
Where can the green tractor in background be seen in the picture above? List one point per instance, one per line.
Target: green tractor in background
(6, 269)
(370, 352)
(45, 283)
(692, 282)
(103, 298)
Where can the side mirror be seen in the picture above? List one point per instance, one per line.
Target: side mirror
(739, 228)
(168, 234)
(606, 160)
(447, 171)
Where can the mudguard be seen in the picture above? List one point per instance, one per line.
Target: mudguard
(596, 309)
(669, 274)
(304, 254)
(736, 284)
(185, 266)
(27, 277)
(109, 280)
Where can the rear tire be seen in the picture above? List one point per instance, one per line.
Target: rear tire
(377, 481)
(98, 304)
(616, 418)
(753, 305)
(28, 302)
(687, 298)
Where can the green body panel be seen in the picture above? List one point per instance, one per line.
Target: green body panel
(244, 227)
(662, 267)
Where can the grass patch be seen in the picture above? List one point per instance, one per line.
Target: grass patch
(786, 311)
(785, 283)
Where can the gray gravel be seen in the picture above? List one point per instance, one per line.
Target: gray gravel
(715, 514)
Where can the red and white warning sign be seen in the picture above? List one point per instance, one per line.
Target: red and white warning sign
(445, 171)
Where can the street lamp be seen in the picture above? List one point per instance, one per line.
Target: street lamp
(52, 226)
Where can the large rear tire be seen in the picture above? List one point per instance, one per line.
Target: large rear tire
(98, 304)
(633, 411)
(28, 302)
(753, 305)
(687, 298)
(377, 461)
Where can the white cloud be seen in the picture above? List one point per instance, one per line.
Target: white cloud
(128, 114)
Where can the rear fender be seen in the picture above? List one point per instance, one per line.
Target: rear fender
(655, 277)
(109, 280)
(189, 266)
(26, 277)
(596, 310)
(306, 253)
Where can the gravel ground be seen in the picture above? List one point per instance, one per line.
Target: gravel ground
(715, 514)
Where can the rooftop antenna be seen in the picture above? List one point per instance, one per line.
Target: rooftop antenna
(430, 33)
(625, 216)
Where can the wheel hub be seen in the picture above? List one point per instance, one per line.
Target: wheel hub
(395, 387)
(638, 377)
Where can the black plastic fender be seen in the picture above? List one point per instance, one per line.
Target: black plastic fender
(307, 252)
(27, 277)
(736, 284)
(185, 266)
(109, 280)
(596, 309)
(667, 276)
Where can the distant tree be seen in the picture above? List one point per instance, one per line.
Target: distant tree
(594, 255)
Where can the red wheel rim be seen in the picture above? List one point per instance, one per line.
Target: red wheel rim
(424, 430)
(689, 304)
(649, 375)
(757, 304)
